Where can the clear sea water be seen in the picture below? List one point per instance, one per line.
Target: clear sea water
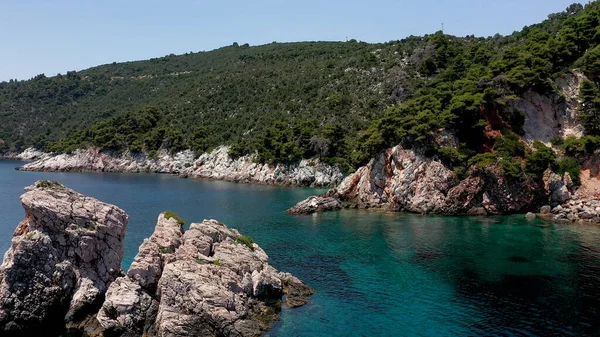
(376, 273)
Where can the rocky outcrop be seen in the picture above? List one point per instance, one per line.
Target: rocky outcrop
(63, 257)
(63, 273)
(404, 180)
(316, 204)
(217, 165)
(557, 187)
(400, 179)
(208, 281)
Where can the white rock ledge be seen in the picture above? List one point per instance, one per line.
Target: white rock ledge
(216, 165)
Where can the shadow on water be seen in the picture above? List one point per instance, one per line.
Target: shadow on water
(550, 288)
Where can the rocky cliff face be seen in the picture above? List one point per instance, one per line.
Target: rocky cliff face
(63, 272)
(403, 180)
(64, 255)
(552, 116)
(217, 165)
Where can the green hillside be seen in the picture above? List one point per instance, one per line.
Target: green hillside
(342, 101)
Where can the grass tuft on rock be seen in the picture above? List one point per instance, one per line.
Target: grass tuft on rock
(173, 215)
(48, 184)
(245, 240)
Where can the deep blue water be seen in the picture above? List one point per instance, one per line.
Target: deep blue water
(376, 273)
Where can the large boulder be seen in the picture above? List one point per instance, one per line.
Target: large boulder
(316, 204)
(63, 258)
(557, 187)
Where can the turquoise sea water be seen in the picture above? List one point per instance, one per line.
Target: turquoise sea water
(376, 273)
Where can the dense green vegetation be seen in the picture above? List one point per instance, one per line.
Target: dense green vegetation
(173, 215)
(475, 83)
(342, 102)
(224, 96)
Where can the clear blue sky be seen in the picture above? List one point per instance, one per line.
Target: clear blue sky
(54, 36)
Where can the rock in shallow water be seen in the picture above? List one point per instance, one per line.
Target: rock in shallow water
(63, 272)
(212, 283)
(316, 204)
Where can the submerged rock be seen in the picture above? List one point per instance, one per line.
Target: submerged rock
(207, 281)
(63, 257)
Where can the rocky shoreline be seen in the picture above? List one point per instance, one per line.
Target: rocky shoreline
(62, 274)
(585, 210)
(215, 165)
(27, 154)
(404, 180)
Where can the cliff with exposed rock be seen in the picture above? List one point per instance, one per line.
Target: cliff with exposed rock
(404, 180)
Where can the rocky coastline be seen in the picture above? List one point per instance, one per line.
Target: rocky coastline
(215, 165)
(28, 154)
(404, 180)
(62, 274)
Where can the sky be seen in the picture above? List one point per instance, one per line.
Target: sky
(56, 36)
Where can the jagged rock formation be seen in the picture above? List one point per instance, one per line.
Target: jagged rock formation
(63, 273)
(404, 180)
(217, 165)
(64, 255)
(204, 282)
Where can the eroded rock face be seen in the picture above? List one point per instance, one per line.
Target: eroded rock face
(547, 117)
(400, 179)
(403, 180)
(63, 257)
(217, 165)
(204, 282)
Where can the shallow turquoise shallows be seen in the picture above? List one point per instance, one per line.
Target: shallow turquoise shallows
(376, 273)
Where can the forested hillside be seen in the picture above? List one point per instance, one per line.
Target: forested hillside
(341, 101)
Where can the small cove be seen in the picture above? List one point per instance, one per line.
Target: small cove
(376, 273)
